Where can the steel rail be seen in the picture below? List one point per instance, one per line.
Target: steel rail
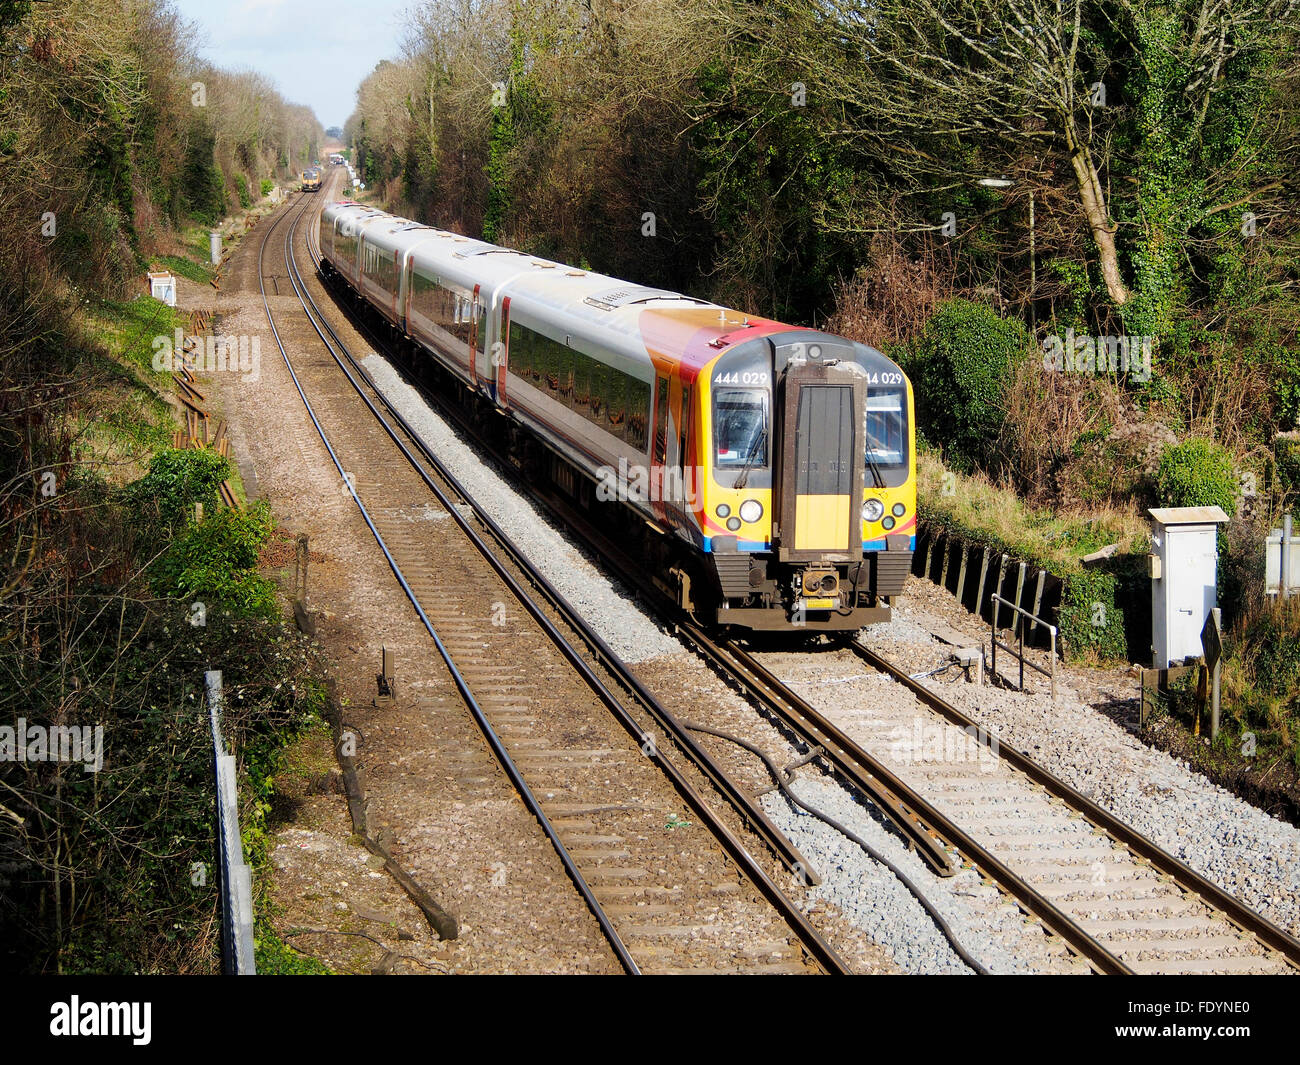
(1237, 912)
(471, 702)
(809, 937)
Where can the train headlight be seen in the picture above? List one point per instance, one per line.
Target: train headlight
(723, 510)
(873, 510)
(888, 523)
(733, 524)
(751, 510)
(899, 510)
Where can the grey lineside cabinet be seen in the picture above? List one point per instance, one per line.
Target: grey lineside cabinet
(1183, 566)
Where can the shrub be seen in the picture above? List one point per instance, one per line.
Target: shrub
(1090, 622)
(1197, 473)
(961, 366)
(267, 186)
(1286, 467)
(241, 186)
(177, 479)
(1262, 676)
(216, 560)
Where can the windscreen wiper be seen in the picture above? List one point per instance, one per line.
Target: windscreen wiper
(875, 471)
(760, 441)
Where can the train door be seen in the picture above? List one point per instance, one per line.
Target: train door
(822, 460)
(659, 447)
(499, 352)
(396, 284)
(679, 477)
(467, 318)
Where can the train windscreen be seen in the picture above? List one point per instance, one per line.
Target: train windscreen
(886, 425)
(740, 418)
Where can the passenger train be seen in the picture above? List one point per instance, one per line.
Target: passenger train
(765, 474)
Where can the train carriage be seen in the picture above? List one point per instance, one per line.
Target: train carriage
(765, 473)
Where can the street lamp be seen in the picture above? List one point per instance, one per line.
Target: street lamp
(1006, 183)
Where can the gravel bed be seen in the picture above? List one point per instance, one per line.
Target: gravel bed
(1247, 852)
(608, 607)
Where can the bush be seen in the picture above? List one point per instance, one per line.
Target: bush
(241, 186)
(177, 479)
(1286, 469)
(267, 186)
(1089, 619)
(1262, 677)
(1197, 473)
(216, 561)
(1273, 635)
(961, 366)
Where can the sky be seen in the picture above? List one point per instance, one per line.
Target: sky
(316, 51)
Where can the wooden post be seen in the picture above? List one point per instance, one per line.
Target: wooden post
(1202, 695)
(1038, 599)
(947, 556)
(961, 572)
(300, 568)
(1020, 618)
(1214, 700)
(1002, 574)
(984, 572)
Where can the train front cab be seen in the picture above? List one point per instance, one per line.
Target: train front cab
(829, 478)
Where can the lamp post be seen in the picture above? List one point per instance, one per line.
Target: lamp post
(1006, 183)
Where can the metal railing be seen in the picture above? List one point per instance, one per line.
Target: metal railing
(996, 603)
(236, 878)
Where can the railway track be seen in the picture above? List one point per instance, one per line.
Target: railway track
(1115, 899)
(1153, 911)
(672, 893)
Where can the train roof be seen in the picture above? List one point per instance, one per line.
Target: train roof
(661, 322)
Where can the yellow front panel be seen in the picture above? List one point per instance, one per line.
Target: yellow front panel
(821, 523)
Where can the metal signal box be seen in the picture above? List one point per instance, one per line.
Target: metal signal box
(1184, 569)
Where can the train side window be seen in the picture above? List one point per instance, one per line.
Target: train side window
(568, 372)
(638, 412)
(581, 382)
(616, 403)
(517, 353)
(543, 361)
(482, 330)
(599, 390)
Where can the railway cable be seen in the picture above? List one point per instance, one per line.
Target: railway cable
(785, 779)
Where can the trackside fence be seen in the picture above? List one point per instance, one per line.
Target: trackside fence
(236, 878)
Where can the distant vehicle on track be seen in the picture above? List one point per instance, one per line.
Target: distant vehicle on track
(765, 474)
(311, 180)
